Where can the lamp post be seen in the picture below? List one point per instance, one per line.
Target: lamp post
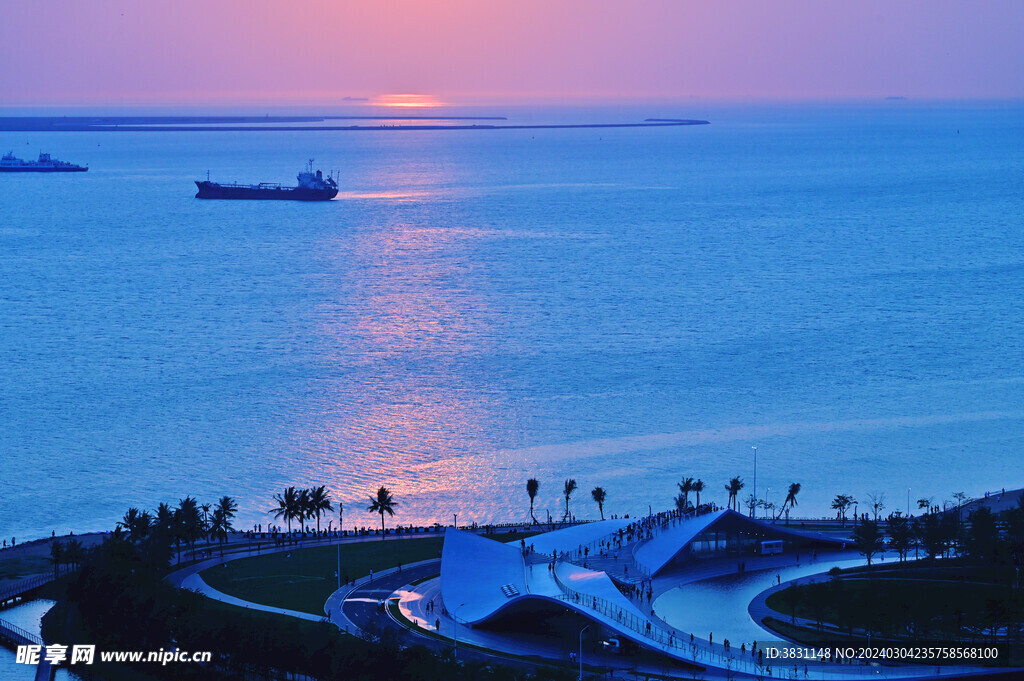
(456, 520)
(908, 502)
(766, 495)
(581, 650)
(455, 631)
(755, 480)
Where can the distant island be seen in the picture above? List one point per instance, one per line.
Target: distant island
(288, 123)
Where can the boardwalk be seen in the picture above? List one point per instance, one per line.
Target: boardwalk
(16, 636)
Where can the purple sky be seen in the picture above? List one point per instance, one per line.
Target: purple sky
(318, 51)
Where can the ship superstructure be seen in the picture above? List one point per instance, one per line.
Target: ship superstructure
(45, 164)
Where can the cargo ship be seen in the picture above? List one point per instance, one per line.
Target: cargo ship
(45, 164)
(312, 187)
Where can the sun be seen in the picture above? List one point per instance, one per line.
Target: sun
(410, 101)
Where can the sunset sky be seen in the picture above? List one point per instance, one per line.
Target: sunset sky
(462, 51)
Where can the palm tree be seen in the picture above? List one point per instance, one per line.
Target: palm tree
(841, 503)
(227, 507)
(190, 522)
(162, 527)
(319, 503)
(382, 504)
(287, 506)
(567, 490)
(220, 525)
(794, 489)
(136, 523)
(206, 515)
(685, 487)
(599, 496)
(697, 488)
(56, 556)
(74, 552)
(532, 486)
(733, 488)
(303, 510)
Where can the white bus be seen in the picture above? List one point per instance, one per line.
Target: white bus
(772, 547)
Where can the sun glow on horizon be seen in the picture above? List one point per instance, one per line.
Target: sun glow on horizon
(411, 101)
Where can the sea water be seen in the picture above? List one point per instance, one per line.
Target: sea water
(837, 284)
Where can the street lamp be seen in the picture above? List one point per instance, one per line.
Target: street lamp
(754, 513)
(581, 650)
(455, 630)
(766, 495)
(908, 502)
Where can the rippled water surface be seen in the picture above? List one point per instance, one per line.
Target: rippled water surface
(836, 284)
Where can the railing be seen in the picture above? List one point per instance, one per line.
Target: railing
(641, 625)
(26, 585)
(18, 635)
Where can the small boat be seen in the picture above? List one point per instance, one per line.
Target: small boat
(312, 187)
(45, 164)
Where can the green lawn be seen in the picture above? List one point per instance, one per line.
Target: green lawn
(908, 608)
(303, 579)
(24, 566)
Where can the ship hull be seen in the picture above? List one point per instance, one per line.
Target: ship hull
(29, 169)
(212, 190)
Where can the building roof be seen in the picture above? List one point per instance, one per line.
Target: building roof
(479, 576)
(656, 553)
(571, 538)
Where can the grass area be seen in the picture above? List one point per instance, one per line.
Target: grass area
(303, 579)
(16, 568)
(903, 608)
(951, 570)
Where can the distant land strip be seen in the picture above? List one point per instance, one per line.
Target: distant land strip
(260, 123)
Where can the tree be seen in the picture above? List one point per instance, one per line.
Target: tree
(698, 487)
(190, 522)
(136, 523)
(1013, 520)
(877, 504)
(790, 501)
(74, 552)
(842, 503)
(685, 487)
(56, 556)
(220, 525)
(599, 496)
(532, 487)
(567, 490)
(901, 534)
(983, 535)
(319, 502)
(936, 532)
(751, 504)
(226, 507)
(733, 488)
(867, 537)
(303, 510)
(287, 506)
(925, 504)
(205, 508)
(384, 503)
